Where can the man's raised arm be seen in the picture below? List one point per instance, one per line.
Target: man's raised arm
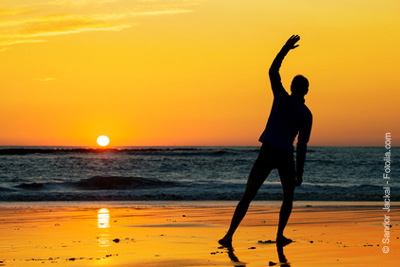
(276, 84)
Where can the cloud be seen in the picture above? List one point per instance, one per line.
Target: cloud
(161, 12)
(67, 25)
(80, 3)
(47, 79)
(13, 12)
(6, 43)
(28, 30)
(33, 25)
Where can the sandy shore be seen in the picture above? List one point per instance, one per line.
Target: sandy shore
(333, 235)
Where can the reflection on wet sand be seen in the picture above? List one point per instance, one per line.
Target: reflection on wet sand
(233, 257)
(103, 218)
(103, 223)
(282, 258)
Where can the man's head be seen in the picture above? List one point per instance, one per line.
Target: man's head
(299, 85)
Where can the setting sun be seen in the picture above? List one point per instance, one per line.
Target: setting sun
(103, 140)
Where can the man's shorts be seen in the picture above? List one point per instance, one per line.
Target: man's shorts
(272, 157)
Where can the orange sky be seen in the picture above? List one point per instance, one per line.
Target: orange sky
(186, 72)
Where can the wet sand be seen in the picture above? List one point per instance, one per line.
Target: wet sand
(333, 235)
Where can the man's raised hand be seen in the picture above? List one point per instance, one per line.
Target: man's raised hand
(291, 43)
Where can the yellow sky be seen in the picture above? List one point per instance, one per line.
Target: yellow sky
(183, 72)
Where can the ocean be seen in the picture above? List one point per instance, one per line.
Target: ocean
(187, 174)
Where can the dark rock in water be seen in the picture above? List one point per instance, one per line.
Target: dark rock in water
(116, 240)
(120, 182)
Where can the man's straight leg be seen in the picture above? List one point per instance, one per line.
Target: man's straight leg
(258, 174)
(288, 176)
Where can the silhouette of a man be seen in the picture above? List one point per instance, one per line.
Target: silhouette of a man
(289, 116)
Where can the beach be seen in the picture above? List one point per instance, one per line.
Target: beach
(186, 233)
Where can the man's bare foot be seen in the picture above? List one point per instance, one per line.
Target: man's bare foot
(283, 241)
(225, 242)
